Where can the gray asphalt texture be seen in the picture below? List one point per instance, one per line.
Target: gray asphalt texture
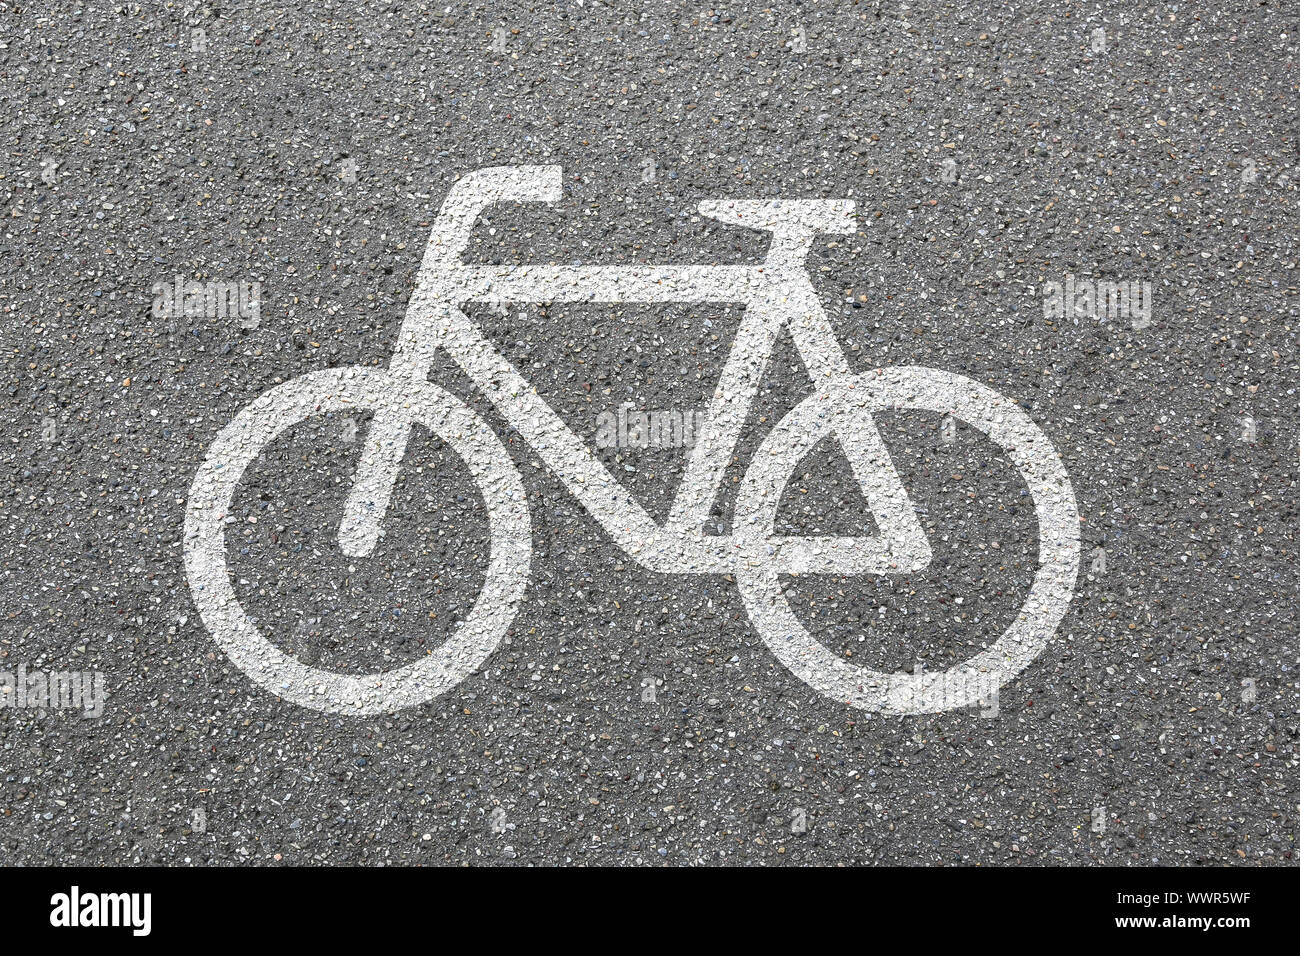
(1160, 725)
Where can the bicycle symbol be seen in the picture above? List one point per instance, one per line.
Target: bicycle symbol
(776, 295)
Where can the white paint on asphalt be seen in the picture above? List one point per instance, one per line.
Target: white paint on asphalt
(777, 295)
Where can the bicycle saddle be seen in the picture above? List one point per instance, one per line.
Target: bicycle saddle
(784, 215)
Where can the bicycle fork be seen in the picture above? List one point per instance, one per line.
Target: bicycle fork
(385, 444)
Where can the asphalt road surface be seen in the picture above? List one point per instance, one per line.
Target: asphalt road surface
(203, 203)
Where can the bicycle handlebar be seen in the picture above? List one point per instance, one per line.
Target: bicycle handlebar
(499, 184)
(474, 192)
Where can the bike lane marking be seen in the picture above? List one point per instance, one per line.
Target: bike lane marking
(400, 397)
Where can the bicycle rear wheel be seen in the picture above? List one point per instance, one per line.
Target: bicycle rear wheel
(849, 403)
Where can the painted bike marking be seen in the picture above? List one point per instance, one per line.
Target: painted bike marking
(777, 295)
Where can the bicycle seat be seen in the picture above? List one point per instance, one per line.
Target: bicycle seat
(784, 215)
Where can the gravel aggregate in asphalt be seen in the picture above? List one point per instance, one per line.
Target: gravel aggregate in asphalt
(630, 717)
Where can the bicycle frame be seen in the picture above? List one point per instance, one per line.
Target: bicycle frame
(774, 295)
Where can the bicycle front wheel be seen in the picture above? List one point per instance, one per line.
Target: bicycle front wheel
(356, 390)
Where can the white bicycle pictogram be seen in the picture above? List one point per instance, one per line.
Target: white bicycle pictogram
(775, 295)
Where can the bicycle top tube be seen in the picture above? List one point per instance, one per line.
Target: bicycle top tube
(452, 282)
